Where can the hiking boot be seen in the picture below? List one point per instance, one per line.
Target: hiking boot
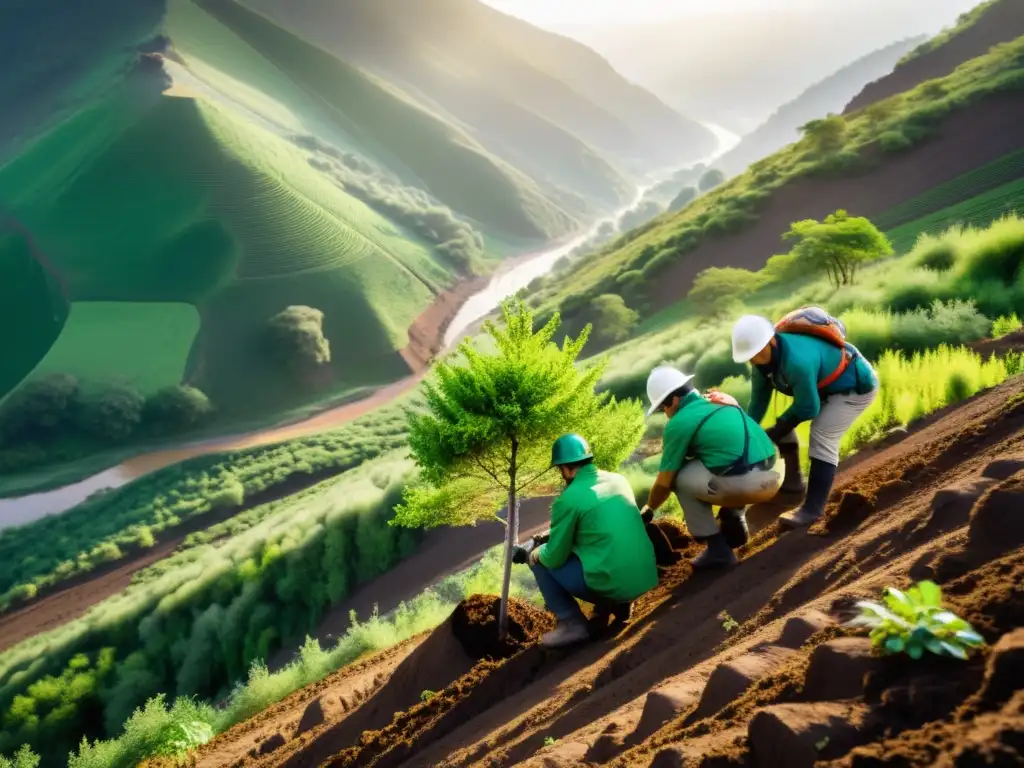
(717, 555)
(619, 613)
(566, 633)
(793, 482)
(733, 525)
(819, 486)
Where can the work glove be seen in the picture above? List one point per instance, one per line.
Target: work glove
(520, 556)
(535, 556)
(779, 430)
(647, 514)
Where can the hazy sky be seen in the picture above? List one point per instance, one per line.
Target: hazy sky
(559, 12)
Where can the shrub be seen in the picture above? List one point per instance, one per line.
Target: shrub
(953, 323)
(1004, 325)
(894, 141)
(613, 320)
(23, 758)
(38, 409)
(176, 408)
(296, 338)
(231, 494)
(112, 414)
(716, 365)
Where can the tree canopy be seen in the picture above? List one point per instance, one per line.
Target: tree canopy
(717, 290)
(485, 437)
(837, 246)
(297, 337)
(710, 180)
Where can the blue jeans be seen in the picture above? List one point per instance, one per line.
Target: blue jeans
(560, 585)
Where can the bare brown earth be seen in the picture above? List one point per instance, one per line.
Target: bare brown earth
(790, 686)
(1000, 24)
(966, 140)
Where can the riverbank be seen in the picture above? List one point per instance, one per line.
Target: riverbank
(453, 315)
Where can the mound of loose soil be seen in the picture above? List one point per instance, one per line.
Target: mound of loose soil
(475, 624)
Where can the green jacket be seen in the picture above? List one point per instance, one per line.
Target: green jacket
(718, 444)
(803, 361)
(596, 519)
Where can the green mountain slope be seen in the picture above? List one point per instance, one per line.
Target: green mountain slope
(990, 23)
(457, 52)
(826, 97)
(872, 169)
(227, 166)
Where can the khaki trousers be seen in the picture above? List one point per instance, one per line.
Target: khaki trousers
(698, 491)
(833, 421)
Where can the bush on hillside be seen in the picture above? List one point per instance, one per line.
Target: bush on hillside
(719, 291)
(23, 758)
(613, 320)
(894, 141)
(710, 180)
(827, 134)
(1004, 325)
(296, 338)
(716, 365)
(39, 410)
(952, 323)
(111, 414)
(177, 408)
(686, 196)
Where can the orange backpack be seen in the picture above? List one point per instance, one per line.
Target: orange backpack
(815, 321)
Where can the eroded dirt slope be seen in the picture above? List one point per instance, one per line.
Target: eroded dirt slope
(789, 686)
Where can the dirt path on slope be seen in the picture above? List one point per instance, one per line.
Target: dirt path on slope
(906, 509)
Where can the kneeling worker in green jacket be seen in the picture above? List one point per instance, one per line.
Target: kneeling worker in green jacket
(598, 549)
(712, 454)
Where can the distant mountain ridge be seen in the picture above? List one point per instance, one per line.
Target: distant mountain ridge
(462, 51)
(828, 96)
(988, 24)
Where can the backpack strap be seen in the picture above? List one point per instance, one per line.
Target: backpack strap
(741, 462)
(846, 360)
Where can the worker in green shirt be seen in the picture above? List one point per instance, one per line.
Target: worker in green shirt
(598, 549)
(806, 356)
(712, 454)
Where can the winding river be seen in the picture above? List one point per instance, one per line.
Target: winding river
(25, 509)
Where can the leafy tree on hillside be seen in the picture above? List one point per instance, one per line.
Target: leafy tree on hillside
(613, 320)
(710, 180)
(111, 413)
(716, 291)
(686, 196)
(826, 134)
(486, 437)
(39, 409)
(297, 338)
(177, 408)
(643, 212)
(837, 246)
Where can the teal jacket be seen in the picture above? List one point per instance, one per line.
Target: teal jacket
(596, 519)
(718, 444)
(803, 361)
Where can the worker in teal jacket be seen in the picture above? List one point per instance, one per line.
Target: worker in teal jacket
(713, 453)
(805, 367)
(598, 549)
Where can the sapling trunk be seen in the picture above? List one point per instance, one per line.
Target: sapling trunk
(511, 540)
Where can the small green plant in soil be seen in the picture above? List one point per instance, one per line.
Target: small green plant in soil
(426, 696)
(550, 741)
(729, 624)
(915, 621)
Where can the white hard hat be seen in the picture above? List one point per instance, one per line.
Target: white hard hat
(663, 381)
(750, 335)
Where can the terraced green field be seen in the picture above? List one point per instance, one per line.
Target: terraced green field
(145, 344)
(978, 211)
(961, 189)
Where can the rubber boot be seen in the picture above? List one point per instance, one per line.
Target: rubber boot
(566, 632)
(819, 487)
(732, 522)
(717, 555)
(793, 483)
